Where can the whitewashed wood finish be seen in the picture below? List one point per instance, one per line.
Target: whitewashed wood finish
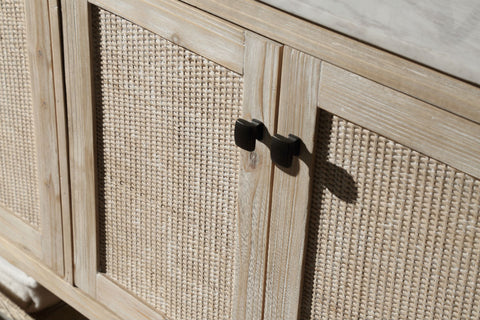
(305, 88)
(262, 63)
(21, 234)
(442, 34)
(116, 298)
(262, 59)
(291, 189)
(45, 243)
(81, 144)
(385, 68)
(221, 42)
(57, 64)
(415, 124)
(43, 97)
(75, 297)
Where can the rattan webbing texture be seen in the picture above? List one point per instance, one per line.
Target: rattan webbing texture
(18, 167)
(393, 234)
(168, 170)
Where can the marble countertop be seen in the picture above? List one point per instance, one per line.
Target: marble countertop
(442, 34)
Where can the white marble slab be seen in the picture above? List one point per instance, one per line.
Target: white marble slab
(443, 34)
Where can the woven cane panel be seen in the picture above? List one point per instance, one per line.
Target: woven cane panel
(167, 169)
(18, 167)
(393, 234)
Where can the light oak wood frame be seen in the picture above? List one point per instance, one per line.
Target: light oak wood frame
(57, 59)
(406, 76)
(46, 243)
(250, 55)
(308, 84)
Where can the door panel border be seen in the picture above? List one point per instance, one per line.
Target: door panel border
(46, 243)
(309, 84)
(259, 57)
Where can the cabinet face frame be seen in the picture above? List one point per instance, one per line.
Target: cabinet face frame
(46, 243)
(250, 55)
(308, 84)
(380, 66)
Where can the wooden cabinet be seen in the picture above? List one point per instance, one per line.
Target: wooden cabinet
(378, 218)
(170, 217)
(30, 195)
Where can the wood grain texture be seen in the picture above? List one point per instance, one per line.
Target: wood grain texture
(118, 299)
(388, 69)
(57, 63)
(420, 126)
(220, 42)
(80, 110)
(43, 97)
(75, 297)
(262, 63)
(304, 89)
(21, 234)
(290, 195)
(81, 144)
(441, 34)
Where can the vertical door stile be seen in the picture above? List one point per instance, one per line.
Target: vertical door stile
(261, 75)
(62, 136)
(291, 188)
(78, 80)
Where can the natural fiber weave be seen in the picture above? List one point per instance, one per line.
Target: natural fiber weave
(18, 167)
(401, 242)
(167, 170)
(10, 311)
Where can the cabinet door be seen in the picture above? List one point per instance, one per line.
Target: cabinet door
(30, 207)
(170, 217)
(379, 217)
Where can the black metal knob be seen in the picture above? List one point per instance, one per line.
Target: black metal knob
(283, 149)
(246, 132)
